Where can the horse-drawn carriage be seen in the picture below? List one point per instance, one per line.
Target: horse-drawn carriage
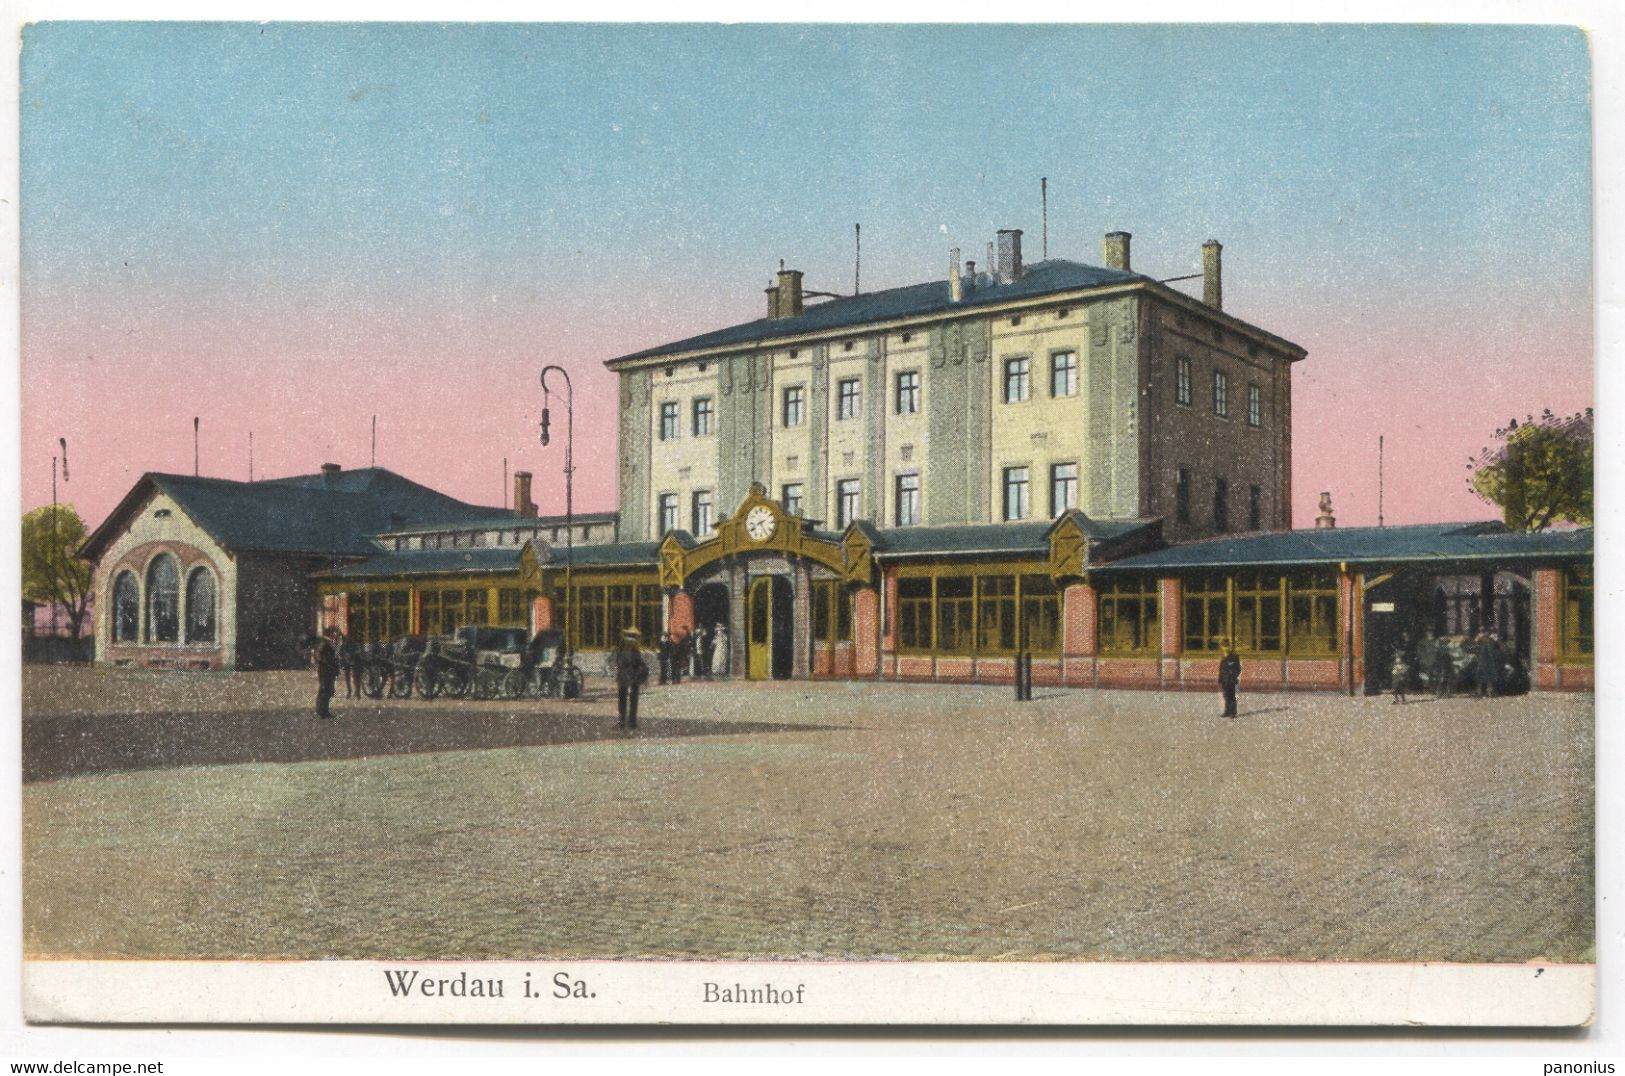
(482, 662)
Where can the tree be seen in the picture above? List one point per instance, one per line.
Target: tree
(1537, 472)
(53, 573)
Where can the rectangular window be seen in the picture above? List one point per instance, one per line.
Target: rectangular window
(1255, 508)
(1221, 394)
(1129, 623)
(702, 416)
(1182, 381)
(623, 612)
(1312, 607)
(790, 497)
(915, 614)
(668, 421)
(848, 398)
(651, 611)
(1221, 505)
(1063, 487)
(429, 613)
(592, 612)
(1016, 490)
(1040, 615)
(956, 614)
(996, 614)
(907, 398)
(831, 613)
(668, 513)
(1207, 614)
(846, 502)
(908, 500)
(1256, 616)
(511, 610)
(1255, 406)
(1576, 641)
(1017, 380)
(1182, 496)
(1063, 373)
(794, 405)
(701, 516)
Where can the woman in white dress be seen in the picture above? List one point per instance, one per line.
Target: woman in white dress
(721, 656)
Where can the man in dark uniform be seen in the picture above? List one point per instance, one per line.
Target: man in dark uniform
(1229, 678)
(665, 654)
(327, 671)
(1488, 667)
(679, 655)
(630, 673)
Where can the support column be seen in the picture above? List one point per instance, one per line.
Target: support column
(1544, 614)
(680, 613)
(801, 621)
(1171, 605)
(866, 632)
(541, 615)
(739, 627)
(1080, 634)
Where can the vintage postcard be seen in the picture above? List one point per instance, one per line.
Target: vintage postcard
(1062, 524)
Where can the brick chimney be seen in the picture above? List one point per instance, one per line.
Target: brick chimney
(1212, 285)
(772, 301)
(1114, 248)
(522, 504)
(330, 471)
(784, 299)
(1009, 255)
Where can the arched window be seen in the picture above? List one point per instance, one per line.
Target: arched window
(163, 600)
(126, 608)
(200, 606)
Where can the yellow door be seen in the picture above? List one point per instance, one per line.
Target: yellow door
(759, 641)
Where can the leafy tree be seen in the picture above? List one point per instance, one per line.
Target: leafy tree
(53, 573)
(1538, 472)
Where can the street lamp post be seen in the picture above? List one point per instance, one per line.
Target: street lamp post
(569, 494)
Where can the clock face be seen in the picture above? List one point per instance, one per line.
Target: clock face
(760, 523)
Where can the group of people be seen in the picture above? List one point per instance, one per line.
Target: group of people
(1487, 657)
(702, 653)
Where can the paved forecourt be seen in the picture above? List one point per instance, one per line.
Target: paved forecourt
(209, 815)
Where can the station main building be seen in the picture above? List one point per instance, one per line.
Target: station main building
(1075, 462)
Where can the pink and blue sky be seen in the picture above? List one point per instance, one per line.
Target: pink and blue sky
(287, 229)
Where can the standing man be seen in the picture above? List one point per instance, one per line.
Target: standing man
(708, 640)
(679, 655)
(631, 671)
(1488, 665)
(664, 655)
(1444, 670)
(327, 672)
(1229, 678)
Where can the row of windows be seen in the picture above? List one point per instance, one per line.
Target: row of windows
(160, 620)
(1063, 496)
(1262, 613)
(1575, 638)
(1221, 393)
(602, 613)
(978, 614)
(1221, 502)
(701, 414)
(1063, 376)
(478, 539)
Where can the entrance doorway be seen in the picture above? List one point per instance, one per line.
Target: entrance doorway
(770, 626)
(711, 614)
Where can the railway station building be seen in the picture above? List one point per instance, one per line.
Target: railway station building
(1073, 462)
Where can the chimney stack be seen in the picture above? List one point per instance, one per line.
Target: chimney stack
(522, 504)
(1325, 521)
(1115, 250)
(991, 267)
(772, 301)
(954, 287)
(968, 281)
(1009, 255)
(1212, 284)
(789, 295)
(330, 471)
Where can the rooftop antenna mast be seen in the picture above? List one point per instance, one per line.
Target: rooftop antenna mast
(1043, 194)
(857, 262)
(505, 482)
(375, 441)
(251, 455)
(194, 446)
(1379, 479)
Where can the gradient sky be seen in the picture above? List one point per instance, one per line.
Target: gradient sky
(287, 229)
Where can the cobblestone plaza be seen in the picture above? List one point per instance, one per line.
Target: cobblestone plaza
(209, 816)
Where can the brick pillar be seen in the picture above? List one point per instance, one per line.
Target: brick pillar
(680, 613)
(541, 615)
(1079, 616)
(801, 620)
(1171, 606)
(1544, 614)
(866, 632)
(1350, 631)
(889, 643)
